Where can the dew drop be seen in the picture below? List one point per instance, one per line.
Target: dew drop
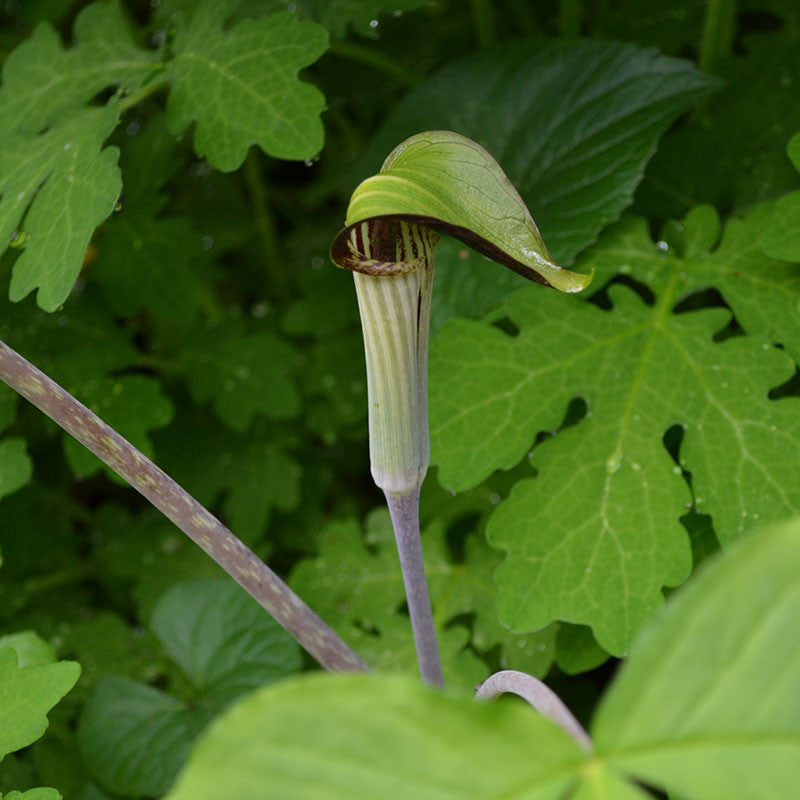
(636, 466)
(373, 23)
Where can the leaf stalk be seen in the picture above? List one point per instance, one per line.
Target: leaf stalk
(202, 527)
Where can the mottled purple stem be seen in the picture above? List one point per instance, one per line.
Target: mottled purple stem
(241, 563)
(404, 509)
(539, 695)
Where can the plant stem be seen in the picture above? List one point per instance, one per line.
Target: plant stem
(483, 22)
(539, 695)
(376, 59)
(404, 509)
(265, 225)
(719, 31)
(241, 563)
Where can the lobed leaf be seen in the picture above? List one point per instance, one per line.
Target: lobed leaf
(596, 536)
(26, 695)
(241, 85)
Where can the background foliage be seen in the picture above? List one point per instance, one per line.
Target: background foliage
(171, 175)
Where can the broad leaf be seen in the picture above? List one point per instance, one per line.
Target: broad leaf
(709, 703)
(26, 695)
(33, 794)
(572, 125)
(241, 85)
(377, 736)
(781, 238)
(690, 713)
(226, 645)
(596, 536)
(222, 639)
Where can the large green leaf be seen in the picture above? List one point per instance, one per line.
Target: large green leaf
(241, 85)
(225, 644)
(691, 713)
(572, 125)
(596, 536)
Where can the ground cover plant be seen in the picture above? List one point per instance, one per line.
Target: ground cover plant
(614, 482)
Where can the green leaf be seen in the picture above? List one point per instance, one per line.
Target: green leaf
(377, 736)
(123, 723)
(241, 86)
(253, 471)
(759, 98)
(225, 643)
(781, 238)
(708, 703)
(597, 535)
(444, 181)
(32, 650)
(575, 150)
(222, 639)
(56, 181)
(244, 373)
(26, 695)
(356, 585)
(33, 794)
(144, 259)
(690, 713)
(98, 352)
(16, 466)
(79, 186)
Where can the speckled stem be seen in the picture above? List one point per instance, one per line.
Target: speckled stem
(537, 694)
(404, 509)
(241, 563)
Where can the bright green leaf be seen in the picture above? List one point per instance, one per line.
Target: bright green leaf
(32, 650)
(781, 238)
(57, 183)
(690, 712)
(377, 736)
(708, 704)
(241, 86)
(33, 794)
(445, 181)
(26, 695)
(596, 536)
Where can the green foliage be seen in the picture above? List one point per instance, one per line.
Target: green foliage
(356, 586)
(689, 704)
(225, 646)
(241, 85)
(196, 309)
(595, 537)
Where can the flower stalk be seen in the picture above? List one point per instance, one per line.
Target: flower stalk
(434, 182)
